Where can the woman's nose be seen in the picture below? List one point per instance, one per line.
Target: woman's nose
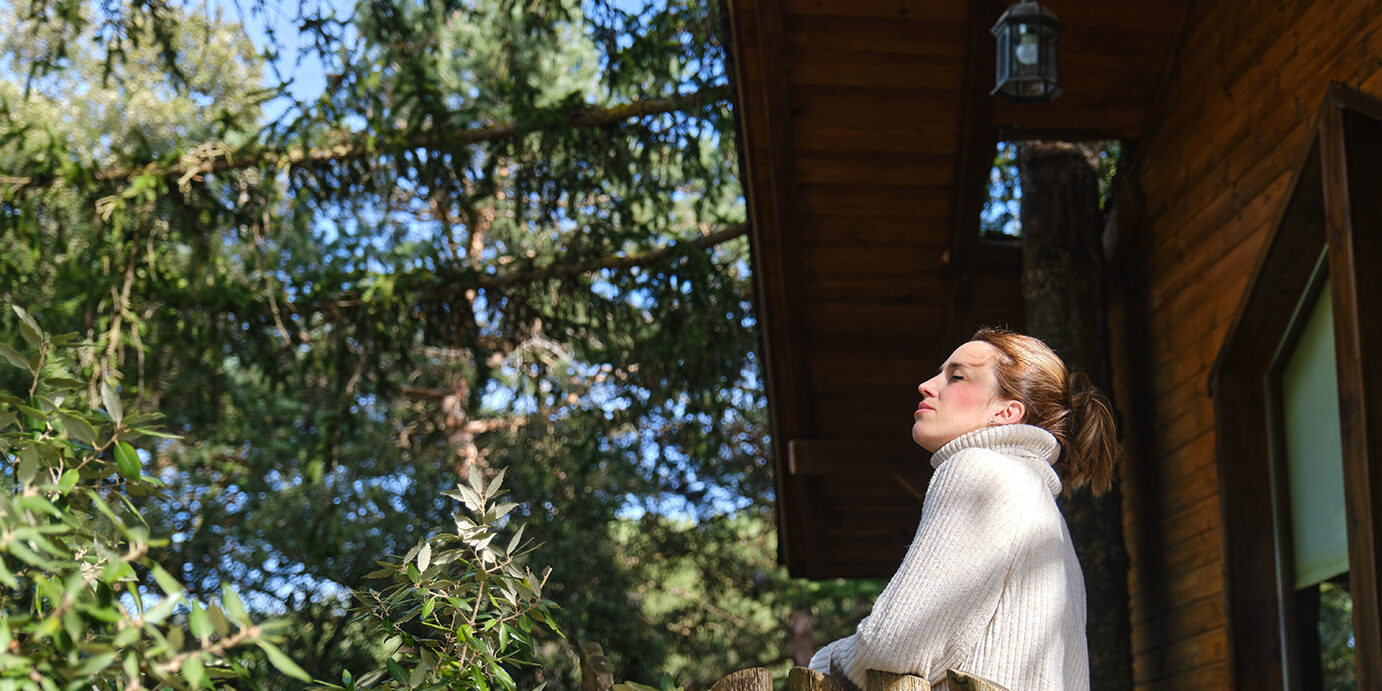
(927, 387)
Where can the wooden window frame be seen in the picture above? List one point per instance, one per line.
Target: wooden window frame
(1334, 212)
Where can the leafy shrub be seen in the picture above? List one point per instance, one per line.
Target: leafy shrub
(460, 610)
(77, 603)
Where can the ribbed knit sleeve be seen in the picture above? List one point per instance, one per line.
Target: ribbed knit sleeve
(934, 611)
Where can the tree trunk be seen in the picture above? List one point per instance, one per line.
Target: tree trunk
(1063, 285)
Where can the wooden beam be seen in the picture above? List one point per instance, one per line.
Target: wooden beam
(781, 310)
(1350, 147)
(971, 171)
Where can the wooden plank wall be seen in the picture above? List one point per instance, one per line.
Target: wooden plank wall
(1227, 129)
(850, 115)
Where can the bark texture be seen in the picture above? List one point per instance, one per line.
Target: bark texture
(1064, 287)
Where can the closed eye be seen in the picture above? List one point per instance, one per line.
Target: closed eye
(956, 377)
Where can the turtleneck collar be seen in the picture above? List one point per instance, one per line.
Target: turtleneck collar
(1029, 443)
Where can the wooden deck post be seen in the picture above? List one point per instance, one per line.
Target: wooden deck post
(597, 674)
(806, 679)
(751, 679)
(961, 681)
(887, 681)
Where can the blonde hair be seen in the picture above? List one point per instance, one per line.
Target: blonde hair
(1064, 404)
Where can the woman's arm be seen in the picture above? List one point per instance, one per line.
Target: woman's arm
(936, 607)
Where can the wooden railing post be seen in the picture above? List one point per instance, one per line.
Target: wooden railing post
(752, 679)
(597, 674)
(887, 681)
(806, 679)
(963, 681)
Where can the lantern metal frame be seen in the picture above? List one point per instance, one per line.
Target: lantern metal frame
(1027, 30)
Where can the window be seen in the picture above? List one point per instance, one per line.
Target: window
(1290, 584)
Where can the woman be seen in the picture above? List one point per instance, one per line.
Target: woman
(990, 584)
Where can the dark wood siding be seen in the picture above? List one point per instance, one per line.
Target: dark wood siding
(1231, 123)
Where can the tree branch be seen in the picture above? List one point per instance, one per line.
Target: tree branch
(460, 281)
(625, 262)
(215, 157)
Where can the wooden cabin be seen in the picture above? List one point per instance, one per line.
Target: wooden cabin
(1246, 268)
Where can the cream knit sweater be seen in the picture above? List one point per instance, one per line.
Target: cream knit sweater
(990, 585)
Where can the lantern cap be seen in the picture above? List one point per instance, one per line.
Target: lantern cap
(1027, 12)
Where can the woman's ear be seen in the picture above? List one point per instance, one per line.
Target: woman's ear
(1011, 413)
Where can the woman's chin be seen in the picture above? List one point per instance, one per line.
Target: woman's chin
(920, 438)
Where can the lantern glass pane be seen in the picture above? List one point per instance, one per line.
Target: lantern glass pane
(1050, 41)
(1003, 57)
(1031, 90)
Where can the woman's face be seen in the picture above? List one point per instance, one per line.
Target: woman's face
(962, 398)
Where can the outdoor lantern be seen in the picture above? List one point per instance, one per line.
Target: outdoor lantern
(1028, 35)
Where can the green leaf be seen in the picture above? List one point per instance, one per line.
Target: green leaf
(391, 644)
(28, 465)
(39, 503)
(515, 541)
(496, 483)
(72, 624)
(81, 429)
(424, 557)
(502, 675)
(218, 620)
(106, 511)
(282, 662)
(234, 608)
(155, 433)
(477, 483)
(46, 627)
(34, 413)
(127, 460)
(94, 664)
(126, 637)
(160, 611)
(199, 622)
(396, 671)
(28, 328)
(68, 481)
(112, 401)
(193, 672)
(14, 358)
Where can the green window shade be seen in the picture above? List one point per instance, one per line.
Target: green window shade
(1314, 450)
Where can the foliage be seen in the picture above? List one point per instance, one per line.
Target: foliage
(460, 608)
(76, 607)
(343, 309)
(1000, 216)
(716, 588)
(1337, 652)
